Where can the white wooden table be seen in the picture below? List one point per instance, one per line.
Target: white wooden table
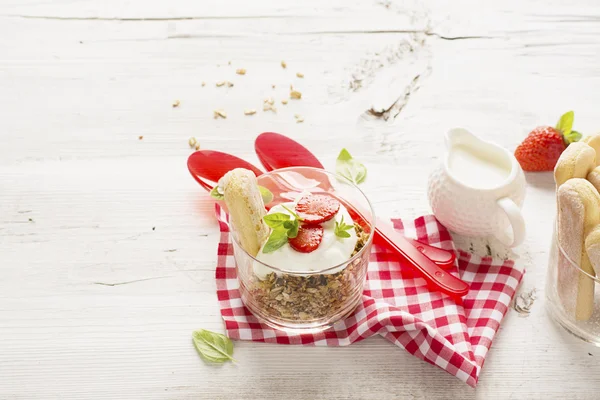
(107, 246)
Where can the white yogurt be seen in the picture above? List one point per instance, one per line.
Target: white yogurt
(475, 170)
(332, 250)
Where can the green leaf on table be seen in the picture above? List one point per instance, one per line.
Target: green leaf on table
(350, 168)
(216, 193)
(341, 229)
(266, 194)
(276, 240)
(565, 123)
(213, 347)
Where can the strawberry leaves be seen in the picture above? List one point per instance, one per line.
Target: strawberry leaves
(565, 126)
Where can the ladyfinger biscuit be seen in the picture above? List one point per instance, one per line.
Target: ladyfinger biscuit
(246, 208)
(592, 247)
(575, 162)
(594, 178)
(578, 214)
(594, 142)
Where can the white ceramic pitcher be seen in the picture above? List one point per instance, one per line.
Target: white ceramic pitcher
(478, 189)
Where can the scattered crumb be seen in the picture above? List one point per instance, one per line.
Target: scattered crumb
(153, 228)
(284, 101)
(170, 250)
(140, 137)
(299, 118)
(269, 107)
(283, 64)
(269, 104)
(272, 86)
(249, 111)
(240, 71)
(176, 103)
(197, 146)
(203, 84)
(30, 219)
(294, 94)
(524, 301)
(590, 354)
(228, 62)
(80, 42)
(192, 142)
(299, 74)
(489, 250)
(229, 84)
(220, 113)
(220, 83)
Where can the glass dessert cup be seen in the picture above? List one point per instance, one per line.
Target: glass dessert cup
(573, 295)
(311, 299)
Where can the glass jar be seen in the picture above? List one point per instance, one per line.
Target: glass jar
(312, 299)
(573, 294)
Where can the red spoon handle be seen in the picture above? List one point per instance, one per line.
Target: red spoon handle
(443, 258)
(432, 273)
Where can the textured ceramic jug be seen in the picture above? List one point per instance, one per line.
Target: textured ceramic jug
(478, 189)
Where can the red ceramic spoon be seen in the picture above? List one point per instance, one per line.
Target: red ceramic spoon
(277, 151)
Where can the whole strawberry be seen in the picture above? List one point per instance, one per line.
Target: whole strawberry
(543, 146)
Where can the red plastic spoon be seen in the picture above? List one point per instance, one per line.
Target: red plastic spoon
(212, 165)
(277, 151)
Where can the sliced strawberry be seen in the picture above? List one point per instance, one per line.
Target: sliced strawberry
(308, 239)
(317, 208)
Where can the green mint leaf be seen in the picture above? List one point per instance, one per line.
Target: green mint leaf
(344, 155)
(293, 213)
(565, 123)
(277, 239)
(574, 136)
(288, 224)
(350, 168)
(341, 228)
(266, 194)
(293, 229)
(342, 234)
(213, 347)
(275, 220)
(216, 193)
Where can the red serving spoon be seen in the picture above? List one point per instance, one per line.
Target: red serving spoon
(212, 165)
(277, 151)
(208, 166)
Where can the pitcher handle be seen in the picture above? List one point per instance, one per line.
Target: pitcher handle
(516, 221)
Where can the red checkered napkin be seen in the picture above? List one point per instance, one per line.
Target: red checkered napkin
(397, 305)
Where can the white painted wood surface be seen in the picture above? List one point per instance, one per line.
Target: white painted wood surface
(100, 291)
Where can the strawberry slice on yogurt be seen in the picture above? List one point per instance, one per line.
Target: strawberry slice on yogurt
(317, 208)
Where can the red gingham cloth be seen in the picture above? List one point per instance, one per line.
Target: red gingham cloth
(397, 305)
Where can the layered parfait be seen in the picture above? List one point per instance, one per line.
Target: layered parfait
(298, 261)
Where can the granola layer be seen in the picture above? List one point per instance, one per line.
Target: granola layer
(306, 298)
